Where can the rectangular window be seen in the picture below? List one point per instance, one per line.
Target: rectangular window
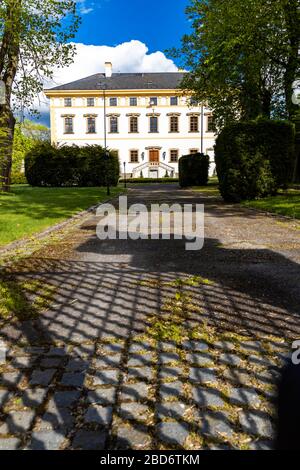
(153, 124)
(194, 124)
(193, 102)
(173, 156)
(174, 100)
(134, 156)
(68, 102)
(69, 128)
(133, 127)
(210, 124)
(113, 101)
(91, 125)
(174, 124)
(114, 125)
(193, 151)
(154, 101)
(133, 101)
(90, 102)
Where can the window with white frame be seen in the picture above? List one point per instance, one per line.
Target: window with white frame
(133, 101)
(113, 125)
(210, 124)
(134, 156)
(174, 124)
(113, 101)
(174, 156)
(174, 101)
(91, 125)
(68, 102)
(153, 101)
(194, 123)
(153, 124)
(133, 125)
(68, 125)
(90, 102)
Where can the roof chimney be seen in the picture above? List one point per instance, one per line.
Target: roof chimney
(108, 69)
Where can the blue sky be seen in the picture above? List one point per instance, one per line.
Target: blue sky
(158, 23)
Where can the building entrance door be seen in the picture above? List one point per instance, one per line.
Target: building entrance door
(154, 156)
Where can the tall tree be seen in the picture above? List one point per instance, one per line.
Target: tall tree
(33, 39)
(243, 56)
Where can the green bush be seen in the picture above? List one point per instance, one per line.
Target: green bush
(46, 165)
(254, 159)
(193, 170)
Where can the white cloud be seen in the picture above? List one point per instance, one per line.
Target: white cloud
(129, 56)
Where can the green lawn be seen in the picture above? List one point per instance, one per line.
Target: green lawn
(285, 203)
(212, 189)
(27, 211)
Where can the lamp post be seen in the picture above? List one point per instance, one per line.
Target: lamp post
(125, 181)
(202, 126)
(106, 152)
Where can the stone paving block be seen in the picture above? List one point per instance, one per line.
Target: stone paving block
(143, 373)
(106, 377)
(168, 358)
(200, 359)
(203, 397)
(90, 440)
(77, 365)
(167, 346)
(173, 410)
(139, 360)
(260, 361)
(46, 440)
(237, 377)
(83, 351)
(17, 422)
(256, 423)
(33, 398)
(11, 443)
(225, 345)
(99, 415)
(73, 379)
(169, 391)
(102, 396)
(173, 432)
(252, 347)
(267, 377)
(244, 397)
(134, 411)
(59, 418)
(5, 396)
(11, 379)
(230, 359)
(57, 352)
(23, 362)
(170, 372)
(64, 399)
(136, 392)
(196, 345)
(203, 375)
(261, 445)
(113, 348)
(129, 437)
(51, 362)
(107, 362)
(40, 377)
(215, 424)
(140, 347)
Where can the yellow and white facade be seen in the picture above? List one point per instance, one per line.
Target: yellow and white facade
(145, 117)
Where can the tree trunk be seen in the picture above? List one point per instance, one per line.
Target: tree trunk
(292, 22)
(7, 127)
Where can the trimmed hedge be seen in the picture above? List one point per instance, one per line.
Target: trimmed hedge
(46, 165)
(254, 159)
(193, 170)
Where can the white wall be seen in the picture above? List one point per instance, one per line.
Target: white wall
(124, 141)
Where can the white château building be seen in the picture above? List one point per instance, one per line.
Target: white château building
(147, 120)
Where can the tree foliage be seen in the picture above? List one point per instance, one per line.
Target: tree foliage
(243, 57)
(34, 37)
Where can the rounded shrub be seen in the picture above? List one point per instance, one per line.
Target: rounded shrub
(254, 159)
(193, 170)
(46, 165)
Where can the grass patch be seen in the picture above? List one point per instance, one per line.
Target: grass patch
(26, 211)
(285, 203)
(24, 300)
(212, 189)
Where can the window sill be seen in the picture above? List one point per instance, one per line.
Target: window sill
(91, 133)
(194, 132)
(174, 132)
(113, 132)
(68, 133)
(153, 132)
